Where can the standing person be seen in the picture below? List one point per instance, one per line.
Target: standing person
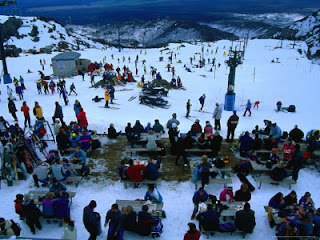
(91, 220)
(21, 80)
(25, 109)
(72, 89)
(205, 172)
(82, 119)
(106, 98)
(76, 107)
(37, 111)
(193, 233)
(232, 124)
(12, 109)
(201, 100)
(279, 105)
(31, 214)
(248, 108)
(111, 92)
(115, 217)
(9, 92)
(64, 94)
(188, 108)
(217, 116)
(173, 120)
(92, 80)
(58, 113)
(245, 219)
(19, 91)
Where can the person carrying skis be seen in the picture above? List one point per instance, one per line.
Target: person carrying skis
(72, 89)
(188, 108)
(201, 100)
(248, 108)
(106, 98)
(12, 109)
(25, 109)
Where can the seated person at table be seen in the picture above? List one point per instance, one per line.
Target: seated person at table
(151, 138)
(243, 194)
(288, 229)
(245, 144)
(256, 143)
(189, 140)
(291, 199)
(62, 206)
(253, 156)
(202, 142)
(137, 129)
(85, 141)
(305, 225)
(196, 128)
(122, 170)
(306, 201)
(157, 127)
(48, 205)
(153, 194)
(56, 186)
(279, 173)
(209, 220)
(296, 134)
(129, 219)
(199, 196)
(6, 228)
(78, 156)
(152, 170)
(277, 201)
(134, 171)
(274, 157)
(74, 140)
(245, 219)
(316, 221)
(112, 132)
(226, 195)
(269, 143)
(215, 141)
(145, 222)
(58, 171)
(193, 233)
(40, 173)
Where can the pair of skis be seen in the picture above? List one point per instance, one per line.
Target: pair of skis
(132, 98)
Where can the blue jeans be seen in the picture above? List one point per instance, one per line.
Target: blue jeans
(112, 229)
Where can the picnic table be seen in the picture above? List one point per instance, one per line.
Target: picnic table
(288, 181)
(141, 149)
(144, 137)
(233, 208)
(155, 209)
(257, 169)
(35, 195)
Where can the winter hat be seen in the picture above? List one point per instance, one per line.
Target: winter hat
(229, 189)
(234, 111)
(74, 135)
(174, 125)
(174, 115)
(36, 103)
(197, 121)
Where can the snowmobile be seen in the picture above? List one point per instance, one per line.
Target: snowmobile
(155, 91)
(151, 100)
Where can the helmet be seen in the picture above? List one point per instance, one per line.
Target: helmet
(74, 135)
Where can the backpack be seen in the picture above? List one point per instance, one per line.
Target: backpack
(227, 227)
(291, 108)
(157, 228)
(95, 144)
(218, 163)
(16, 228)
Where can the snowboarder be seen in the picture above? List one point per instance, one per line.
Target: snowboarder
(106, 98)
(188, 108)
(217, 116)
(232, 124)
(201, 100)
(248, 108)
(12, 109)
(25, 109)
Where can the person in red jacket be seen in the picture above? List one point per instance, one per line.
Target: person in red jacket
(226, 195)
(82, 119)
(193, 233)
(134, 172)
(196, 127)
(25, 109)
(288, 150)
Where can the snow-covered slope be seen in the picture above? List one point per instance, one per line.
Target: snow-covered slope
(36, 33)
(307, 29)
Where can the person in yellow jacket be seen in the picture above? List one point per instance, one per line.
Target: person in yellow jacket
(37, 111)
(107, 98)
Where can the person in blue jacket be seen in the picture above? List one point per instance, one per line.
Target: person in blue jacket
(201, 100)
(74, 140)
(91, 220)
(316, 221)
(78, 156)
(199, 196)
(276, 133)
(152, 170)
(277, 201)
(153, 194)
(248, 108)
(245, 143)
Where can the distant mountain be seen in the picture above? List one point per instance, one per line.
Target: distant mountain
(38, 32)
(159, 32)
(306, 29)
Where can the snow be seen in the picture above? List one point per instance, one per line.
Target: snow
(295, 80)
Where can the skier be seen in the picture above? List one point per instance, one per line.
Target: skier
(188, 108)
(9, 92)
(201, 100)
(248, 108)
(72, 89)
(232, 124)
(25, 109)
(12, 109)
(111, 91)
(39, 87)
(37, 111)
(64, 95)
(46, 87)
(52, 86)
(19, 91)
(217, 116)
(106, 98)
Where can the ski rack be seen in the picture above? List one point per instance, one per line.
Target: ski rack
(50, 135)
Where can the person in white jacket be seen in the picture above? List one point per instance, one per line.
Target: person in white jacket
(217, 116)
(70, 230)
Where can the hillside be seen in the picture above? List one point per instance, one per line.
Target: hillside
(306, 29)
(38, 32)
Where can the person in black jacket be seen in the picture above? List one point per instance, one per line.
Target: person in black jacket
(232, 124)
(245, 219)
(243, 194)
(62, 141)
(291, 199)
(12, 109)
(209, 220)
(216, 141)
(115, 226)
(145, 221)
(129, 219)
(31, 213)
(173, 137)
(152, 170)
(112, 132)
(296, 134)
(296, 162)
(91, 220)
(58, 113)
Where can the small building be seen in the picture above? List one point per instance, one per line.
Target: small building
(66, 64)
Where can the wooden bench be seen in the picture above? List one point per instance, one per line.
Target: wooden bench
(137, 205)
(145, 181)
(224, 181)
(74, 179)
(36, 194)
(263, 152)
(208, 233)
(198, 150)
(141, 149)
(288, 181)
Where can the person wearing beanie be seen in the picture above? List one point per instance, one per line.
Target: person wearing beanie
(172, 120)
(232, 124)
(226, 195)
(208, 129)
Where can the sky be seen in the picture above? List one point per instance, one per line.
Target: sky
(93, 11)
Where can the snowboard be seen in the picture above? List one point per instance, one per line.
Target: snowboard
(246, 181)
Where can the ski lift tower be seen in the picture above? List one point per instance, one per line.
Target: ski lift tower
(6, 75)
(233, 62)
